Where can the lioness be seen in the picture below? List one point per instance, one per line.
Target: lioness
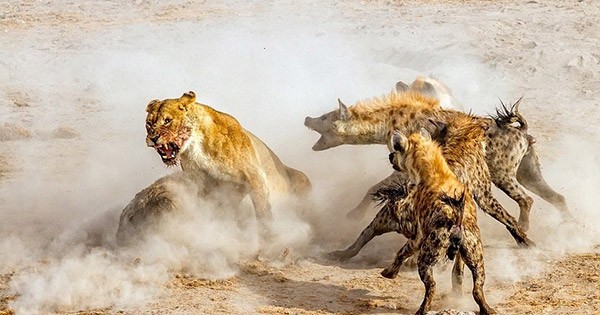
(214, 148)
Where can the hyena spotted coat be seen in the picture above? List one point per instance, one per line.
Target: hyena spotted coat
(511, 156)
(462, 138)
(445, 213)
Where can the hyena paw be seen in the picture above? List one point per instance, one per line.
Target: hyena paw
(526, 243)
(390, 272)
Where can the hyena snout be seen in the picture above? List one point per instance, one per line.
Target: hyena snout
(309, 122)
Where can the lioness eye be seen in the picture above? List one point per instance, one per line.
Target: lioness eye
(167, 120)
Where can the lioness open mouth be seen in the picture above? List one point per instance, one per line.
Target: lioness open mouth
(169, 153)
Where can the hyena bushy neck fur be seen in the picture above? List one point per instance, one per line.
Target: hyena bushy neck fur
(370, 120)
(367, 121)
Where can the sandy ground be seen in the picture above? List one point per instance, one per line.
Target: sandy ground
(75, 76)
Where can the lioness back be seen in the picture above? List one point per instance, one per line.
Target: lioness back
(281, 178)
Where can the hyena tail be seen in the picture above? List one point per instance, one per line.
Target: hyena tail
(456, 232)
(508, 115)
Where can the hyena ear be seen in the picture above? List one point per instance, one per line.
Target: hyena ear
(151, 105)
(398, 141)
(425, 134)
(428, 88)
(439, 125)
(420, 84)
(187, 99)
(439, 131)
(343, 111)
(459, 200)
(401, 87)
(456, 201)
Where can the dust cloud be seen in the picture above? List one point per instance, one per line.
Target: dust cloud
(61, 208)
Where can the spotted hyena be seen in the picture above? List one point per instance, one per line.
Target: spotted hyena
(511, 156)
(462, 138)
(445, 214)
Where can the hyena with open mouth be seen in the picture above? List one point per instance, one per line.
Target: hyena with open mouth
(510, 154)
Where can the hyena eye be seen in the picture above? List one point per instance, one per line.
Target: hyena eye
(167, 121)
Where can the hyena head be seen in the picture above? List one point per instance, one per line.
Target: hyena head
(325, 125)
(403, 151)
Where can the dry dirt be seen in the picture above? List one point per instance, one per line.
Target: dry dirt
(54, 119)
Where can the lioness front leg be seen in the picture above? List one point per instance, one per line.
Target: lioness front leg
(259, 194)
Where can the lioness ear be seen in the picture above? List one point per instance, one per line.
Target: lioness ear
(425, 134)
(398, 141)
(187, 98)
(401, 87)
(343, 111)
(150, 105)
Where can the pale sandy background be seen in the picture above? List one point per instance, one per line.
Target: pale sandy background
(75, 77)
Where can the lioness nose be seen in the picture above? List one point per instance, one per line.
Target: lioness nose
(155, 138)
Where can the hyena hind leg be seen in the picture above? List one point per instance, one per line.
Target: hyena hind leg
(405, 252)
(529, 174)
(509, 185)
(384, 222)
(472, 254)
(491, 206)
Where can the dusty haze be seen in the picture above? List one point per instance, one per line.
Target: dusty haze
(72, 102)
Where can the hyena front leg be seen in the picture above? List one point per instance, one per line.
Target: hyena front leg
(429, 252)
(529, 174)
(506, 180)
(472, 252)
(384, 222)
(406, 251)
(361, 209)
